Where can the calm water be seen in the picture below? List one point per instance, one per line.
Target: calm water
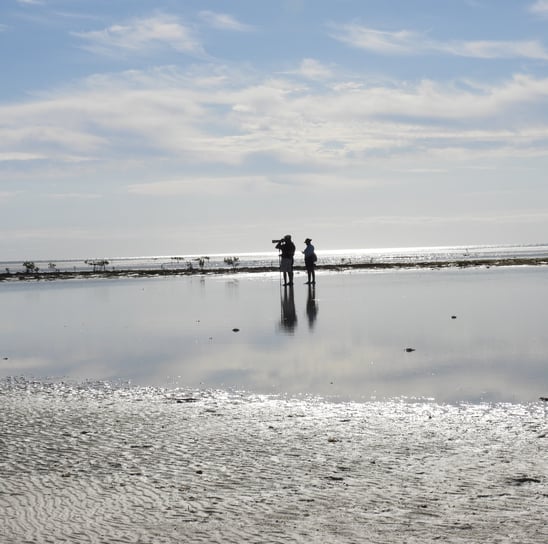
(477, 334)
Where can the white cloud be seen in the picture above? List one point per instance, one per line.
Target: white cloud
(314, 69)
(224, 21)
(531, 49)
(394, 43)
(540, 8)
(142, 35)
(226, 120)
(31, 2)
(405, 42)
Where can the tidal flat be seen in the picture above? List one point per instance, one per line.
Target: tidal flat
(396, 406)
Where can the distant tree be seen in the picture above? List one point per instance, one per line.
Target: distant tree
(30, 267)
(234, 262)
(52, 267)
(201, 262)
(98, 264)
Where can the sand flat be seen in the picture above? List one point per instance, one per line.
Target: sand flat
(93, 463)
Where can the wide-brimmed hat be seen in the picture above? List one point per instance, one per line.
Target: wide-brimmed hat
(308, 240)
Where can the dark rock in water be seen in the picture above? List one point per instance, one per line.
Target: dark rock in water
(520, 480)
(409, 350)
(545, 399)
(453, 317)
(235, 330)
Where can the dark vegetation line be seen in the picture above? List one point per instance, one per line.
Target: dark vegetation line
(54, 274)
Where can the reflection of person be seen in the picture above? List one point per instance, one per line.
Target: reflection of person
(310, 261)
(289, 314)
(287, 248)
(311, 306)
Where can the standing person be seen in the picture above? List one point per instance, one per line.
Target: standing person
(310, 262)
(287, 247)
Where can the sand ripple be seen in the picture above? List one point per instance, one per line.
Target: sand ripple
(94, 463)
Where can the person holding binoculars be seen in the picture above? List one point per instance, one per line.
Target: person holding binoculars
(287, 252)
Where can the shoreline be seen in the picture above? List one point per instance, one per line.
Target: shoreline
(144, 273)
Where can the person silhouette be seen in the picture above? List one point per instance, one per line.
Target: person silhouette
(310, 262)
(287, 248)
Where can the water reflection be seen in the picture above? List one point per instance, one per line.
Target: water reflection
(288, 318)
(180, 331)
(288, 313)
(311, 306)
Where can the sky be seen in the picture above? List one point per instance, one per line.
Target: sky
(162, 127)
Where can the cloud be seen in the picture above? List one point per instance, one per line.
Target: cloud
(5, 195)
(405, 42)
(540, 8)
(141, 36)
(531, 216)
(221, 185)
(230, 118)
(314, 69)
(73, 196)
(16, 156)
(223, 21)
(31, 2)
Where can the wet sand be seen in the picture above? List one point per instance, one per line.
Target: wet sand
(96, 463)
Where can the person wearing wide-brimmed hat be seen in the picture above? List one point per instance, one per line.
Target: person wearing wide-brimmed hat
(287, 249)
(310, 261)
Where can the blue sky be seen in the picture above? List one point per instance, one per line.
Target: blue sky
(157, 127)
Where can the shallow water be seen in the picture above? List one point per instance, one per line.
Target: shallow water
(478, 334)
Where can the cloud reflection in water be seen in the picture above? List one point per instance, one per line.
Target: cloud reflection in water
(180, 332)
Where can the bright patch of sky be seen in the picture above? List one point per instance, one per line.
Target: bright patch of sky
(165, 127)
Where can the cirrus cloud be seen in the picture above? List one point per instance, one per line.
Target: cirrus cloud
(406, 42)
(540, 8)
(224, 21)
(142, 35)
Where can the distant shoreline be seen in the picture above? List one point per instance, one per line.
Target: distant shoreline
(144, 273)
